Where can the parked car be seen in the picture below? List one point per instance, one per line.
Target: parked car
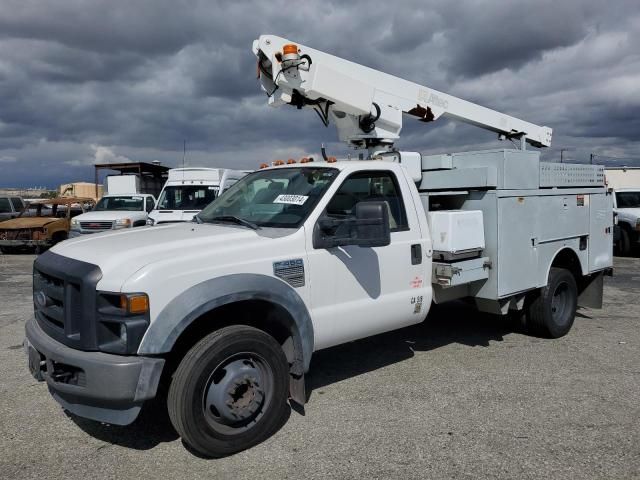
(114, 212)
(10, 207)
(46, 228)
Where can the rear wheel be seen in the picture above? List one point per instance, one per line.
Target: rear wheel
(230, 391)
(552, 309)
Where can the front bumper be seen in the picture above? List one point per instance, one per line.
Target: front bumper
(80, 233)
(95, 385)
(26, 243)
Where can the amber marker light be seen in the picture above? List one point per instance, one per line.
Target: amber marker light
(289, 49)
(135, 303)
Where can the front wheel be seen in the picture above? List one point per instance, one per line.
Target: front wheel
(624, 244)
(230, 391)
(552, 310)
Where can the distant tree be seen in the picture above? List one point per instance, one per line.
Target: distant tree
(49, 194)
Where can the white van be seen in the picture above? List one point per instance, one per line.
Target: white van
(189, 190)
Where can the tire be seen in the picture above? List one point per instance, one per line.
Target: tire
(230, 391)
(10, 250)
(552, 309)
(59, 237)
(624, 244)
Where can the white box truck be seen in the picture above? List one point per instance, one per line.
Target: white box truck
(189, 190)
(227, 311)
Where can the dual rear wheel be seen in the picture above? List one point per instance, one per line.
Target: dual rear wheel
(550, 311)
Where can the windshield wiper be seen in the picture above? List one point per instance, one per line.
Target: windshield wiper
(234, 219)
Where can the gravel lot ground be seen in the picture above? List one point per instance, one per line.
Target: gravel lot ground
(460, 396)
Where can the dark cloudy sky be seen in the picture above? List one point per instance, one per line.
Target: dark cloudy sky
(86, 81)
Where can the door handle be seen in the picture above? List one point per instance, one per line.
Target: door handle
(416, 254)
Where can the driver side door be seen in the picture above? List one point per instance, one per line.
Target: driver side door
(361, 291)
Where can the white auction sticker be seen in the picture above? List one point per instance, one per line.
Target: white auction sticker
(291, 199)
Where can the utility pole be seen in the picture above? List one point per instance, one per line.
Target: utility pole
(562, 155)
(591, 158)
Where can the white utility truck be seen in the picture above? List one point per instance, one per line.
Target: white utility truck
(625, 183)
(228, 310)
(123, 206)
(188, 190)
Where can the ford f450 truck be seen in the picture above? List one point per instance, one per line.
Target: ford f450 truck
(228, 310)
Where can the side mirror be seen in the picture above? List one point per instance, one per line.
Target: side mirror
(369, 228)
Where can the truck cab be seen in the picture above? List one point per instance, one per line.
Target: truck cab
(10, 207)
(189, 190)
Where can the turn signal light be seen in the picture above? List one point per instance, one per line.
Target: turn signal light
(137, 303)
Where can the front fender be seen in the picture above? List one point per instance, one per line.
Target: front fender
(210, 294)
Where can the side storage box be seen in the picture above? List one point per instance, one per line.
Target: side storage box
(456, 232)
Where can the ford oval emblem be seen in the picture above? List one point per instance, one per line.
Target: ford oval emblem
(41, 299)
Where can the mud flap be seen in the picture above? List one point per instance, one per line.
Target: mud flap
(591, 291)
(297, 390)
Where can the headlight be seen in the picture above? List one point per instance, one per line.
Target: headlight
(122, 223)
(123, 320)
(151, 222)
(75, 224)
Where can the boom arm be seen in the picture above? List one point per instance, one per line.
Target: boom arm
(366, 105)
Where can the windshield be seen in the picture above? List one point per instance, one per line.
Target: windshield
(187, 197)
(628, 199)
(281, 197)
(128, 203)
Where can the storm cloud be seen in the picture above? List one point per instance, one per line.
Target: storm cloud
(86, 81)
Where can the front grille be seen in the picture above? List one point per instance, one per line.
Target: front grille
(64, 299)
(49, 299)
(18, 234)
(96, 226)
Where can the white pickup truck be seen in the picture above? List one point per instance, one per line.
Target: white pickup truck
(625, 183)
(626, 205)
(227, 310)
(114, 212)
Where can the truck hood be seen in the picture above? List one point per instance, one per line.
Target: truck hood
(635, 212)
(27, 222)
(121, 253)
(110, 215)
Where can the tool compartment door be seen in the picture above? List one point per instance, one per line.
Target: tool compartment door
(600, 231)
(517, 240)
